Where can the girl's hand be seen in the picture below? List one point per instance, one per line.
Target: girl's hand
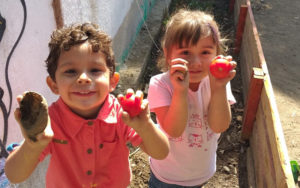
(43, 139)
(221, 83)
(179, 74)
(137, 103)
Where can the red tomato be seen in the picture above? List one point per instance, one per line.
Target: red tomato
(220, 68)
(131, 104)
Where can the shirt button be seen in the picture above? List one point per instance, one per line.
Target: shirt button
(101, 146)
(89, 172)
(89, 151)
(90, 123)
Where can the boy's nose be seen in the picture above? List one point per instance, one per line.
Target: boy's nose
(83, 79)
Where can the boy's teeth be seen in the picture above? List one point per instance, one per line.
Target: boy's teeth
(84, 92)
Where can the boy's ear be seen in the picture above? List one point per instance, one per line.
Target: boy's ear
(52, 85)
(114, 80)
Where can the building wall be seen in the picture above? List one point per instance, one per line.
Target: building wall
(25, 29)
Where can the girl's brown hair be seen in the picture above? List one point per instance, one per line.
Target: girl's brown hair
(185, 28)
(63, 39)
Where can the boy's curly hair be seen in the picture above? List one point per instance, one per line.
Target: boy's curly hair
(63, 39)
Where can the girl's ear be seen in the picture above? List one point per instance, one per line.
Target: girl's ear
(52, 85)
(114, 80)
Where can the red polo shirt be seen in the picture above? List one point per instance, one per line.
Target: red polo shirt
(89, 153)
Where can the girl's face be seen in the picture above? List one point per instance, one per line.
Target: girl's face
(82, 80)
(199, 58)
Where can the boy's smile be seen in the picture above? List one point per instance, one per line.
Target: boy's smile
(82, 79)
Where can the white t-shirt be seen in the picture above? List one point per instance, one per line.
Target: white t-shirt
(192, 157)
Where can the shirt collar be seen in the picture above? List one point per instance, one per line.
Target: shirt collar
(72, 123)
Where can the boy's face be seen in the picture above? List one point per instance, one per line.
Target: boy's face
(198, 56)
(83, 80)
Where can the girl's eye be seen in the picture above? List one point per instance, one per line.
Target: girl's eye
(206, 52)
(185, 52)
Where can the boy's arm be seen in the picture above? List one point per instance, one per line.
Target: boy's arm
(24, 159)
(22, 162)
(155, 143)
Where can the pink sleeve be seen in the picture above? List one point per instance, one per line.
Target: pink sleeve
(160, 92)
(230, 96)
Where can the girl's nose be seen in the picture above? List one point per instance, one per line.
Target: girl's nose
(83, 79)
(194, 59)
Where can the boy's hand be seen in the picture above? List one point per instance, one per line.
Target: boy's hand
(136, 112)
(221, 82)
(179, 74)
(42, 139)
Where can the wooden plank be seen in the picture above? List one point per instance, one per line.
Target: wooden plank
(253, 98)
(260, 143)
(250, 169)
(240, 28)
(270, 156)
(231, 6)
(283, 172)
(56, 4)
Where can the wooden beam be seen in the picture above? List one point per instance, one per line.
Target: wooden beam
(56, 4)
(240, 28)
(231, 5)
(253, 98)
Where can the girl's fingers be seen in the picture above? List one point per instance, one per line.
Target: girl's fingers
(228, 58)
(179, 61)
(233, 63)
(179, 68)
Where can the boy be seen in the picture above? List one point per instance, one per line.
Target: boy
(88, 132)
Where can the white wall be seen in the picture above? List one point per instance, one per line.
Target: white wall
(26, 69)
(108, 14)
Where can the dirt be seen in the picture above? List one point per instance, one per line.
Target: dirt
(280, 49)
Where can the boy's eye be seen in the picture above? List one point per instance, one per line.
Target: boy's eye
(70, 71)
(95, 70)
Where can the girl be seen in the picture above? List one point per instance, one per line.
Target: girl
(192, 107)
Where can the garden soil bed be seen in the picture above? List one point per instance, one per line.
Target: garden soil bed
(231, 160)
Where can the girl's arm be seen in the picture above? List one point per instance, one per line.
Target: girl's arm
(173, 118)
(219, 112)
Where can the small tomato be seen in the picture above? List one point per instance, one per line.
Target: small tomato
(131, 104)
(220, 68)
